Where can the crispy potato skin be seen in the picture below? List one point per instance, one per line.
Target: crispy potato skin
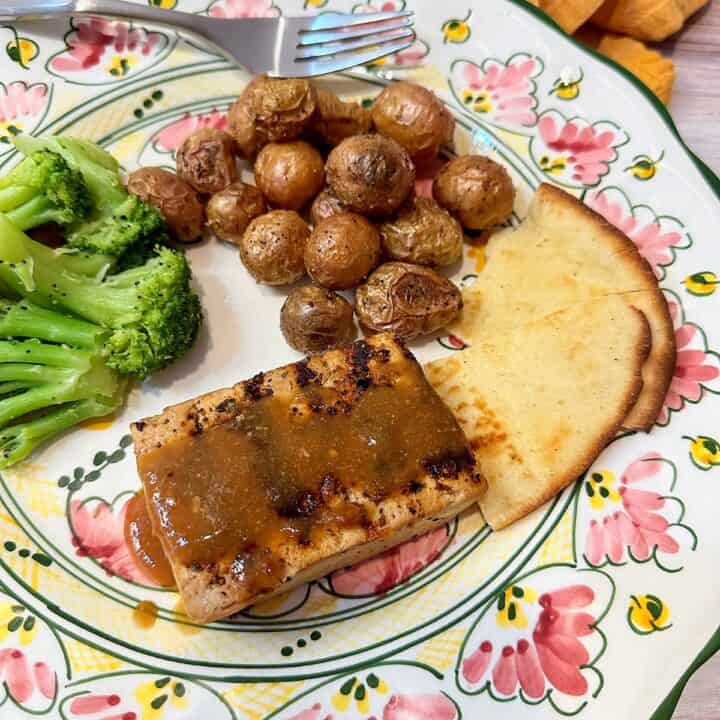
(178, 202)
(423, 233)
(326, 205)
(336, 119)
(289, 174)
(407, 301)
(314, 319)
(477, 190)
(272, 247)
(230, 211)
(415, 117)
(206, 160)
(271, 110)
(371, 174)
(342, 250)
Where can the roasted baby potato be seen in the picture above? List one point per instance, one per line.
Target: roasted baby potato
(178, 202)
(273, 245)
(206, 160)
(289, 174)
(415, 117)
(406, 300)
(422, 233)
(325, 205)
(271, 110)
(477, 190)
(371, 174)
(314, 319)
(336, 119)
(342, 250)
(230, 211)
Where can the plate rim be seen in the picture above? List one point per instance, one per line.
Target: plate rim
(666, 708)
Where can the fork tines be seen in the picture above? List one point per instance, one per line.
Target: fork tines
(367, 36)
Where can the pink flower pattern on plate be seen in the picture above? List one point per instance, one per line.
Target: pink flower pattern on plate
(420, 706)
(538, 639)
(99, 532)
(243, 9)
(499, 93)
(24, 679)
(631, 514)
(410, 56)
(554, 655)
(426, 175)
(384, 572)
(31, 659)
(574, 152)
(656, 236)
(100, 50)
(170, 138)
(424, 706)
(697, 368)
(22, 107)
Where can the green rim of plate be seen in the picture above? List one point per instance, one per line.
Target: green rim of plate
(667, 707)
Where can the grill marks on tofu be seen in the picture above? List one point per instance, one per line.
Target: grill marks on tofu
(299, 471)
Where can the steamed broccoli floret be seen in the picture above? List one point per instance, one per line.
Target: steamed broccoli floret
(118, 224)
(43, 189)
(151, 311)
(53, 375)
(130, 231)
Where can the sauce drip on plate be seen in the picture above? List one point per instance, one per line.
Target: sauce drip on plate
(144, 544)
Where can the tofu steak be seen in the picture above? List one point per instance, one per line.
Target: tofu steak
(297, 472)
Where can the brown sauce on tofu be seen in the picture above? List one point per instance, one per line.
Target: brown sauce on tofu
(144, 545)
(286, 469)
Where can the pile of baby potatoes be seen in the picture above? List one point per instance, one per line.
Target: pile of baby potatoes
(334, 199)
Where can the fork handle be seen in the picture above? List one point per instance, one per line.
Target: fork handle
(43, 9)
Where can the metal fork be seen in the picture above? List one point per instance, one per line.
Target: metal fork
(280, 47)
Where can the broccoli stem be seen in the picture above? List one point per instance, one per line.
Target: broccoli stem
(29, 374)
(34, 352)
(18, 441)
(55, 374)
(7, 388)
(37, 211)
(28, 320)
(14, 196)
(37, 398)
(16, 247)
(36, 272)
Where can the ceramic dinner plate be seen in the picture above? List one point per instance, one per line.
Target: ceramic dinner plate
(445, 627)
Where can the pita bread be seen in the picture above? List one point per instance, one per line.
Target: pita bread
(540, 401)
(562, 255)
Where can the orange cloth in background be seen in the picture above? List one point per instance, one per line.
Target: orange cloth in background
(656, 71)
(569, 14)
(651, 20)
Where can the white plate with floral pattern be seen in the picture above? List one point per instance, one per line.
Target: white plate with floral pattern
(597, 605)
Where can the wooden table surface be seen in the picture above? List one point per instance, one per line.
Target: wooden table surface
(696, 109)
(696, 100)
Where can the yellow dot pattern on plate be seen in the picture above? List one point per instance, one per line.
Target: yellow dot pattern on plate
(558, 548)
(441, 651)
(256, 700)
(86, 659)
